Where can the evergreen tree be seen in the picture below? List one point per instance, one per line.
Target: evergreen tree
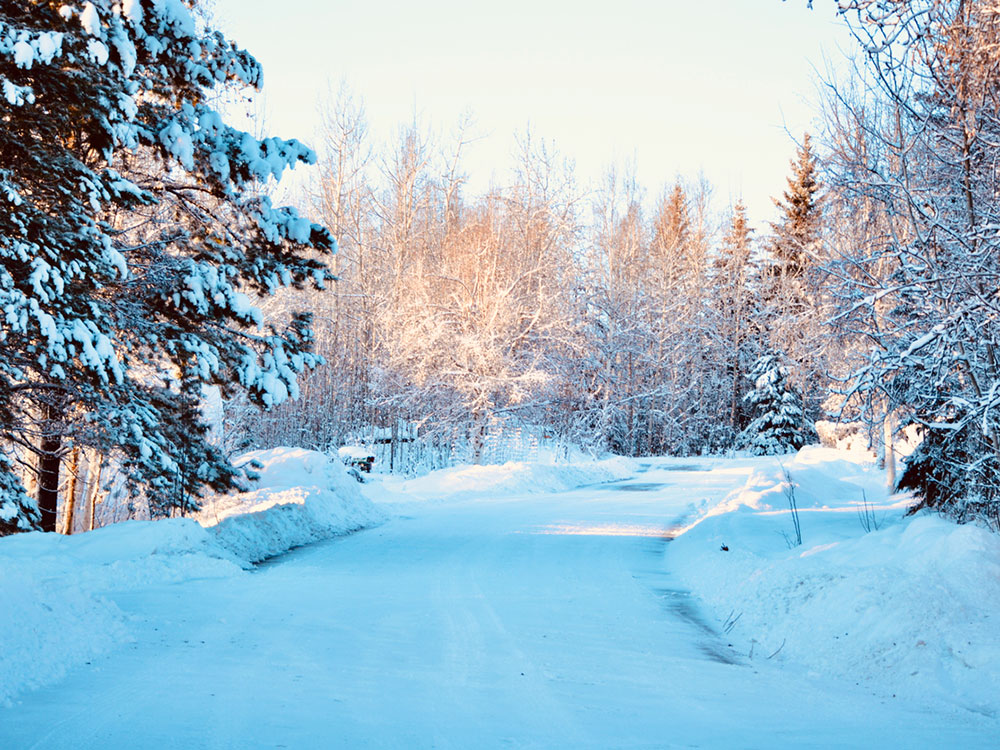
(672, 234)
(111, 324)
(795, 314)
(796, 237)
(780, 424)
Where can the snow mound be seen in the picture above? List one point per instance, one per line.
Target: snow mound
(301, 496)
(54, 611)
(46, 632)
(511, 478)
(909, 609)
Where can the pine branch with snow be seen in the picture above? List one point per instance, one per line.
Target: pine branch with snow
(135, 239)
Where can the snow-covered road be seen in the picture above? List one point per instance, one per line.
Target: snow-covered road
(530, 622)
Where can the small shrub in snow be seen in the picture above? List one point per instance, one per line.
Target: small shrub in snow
(793, 507)
(866, 515)
(954, 473)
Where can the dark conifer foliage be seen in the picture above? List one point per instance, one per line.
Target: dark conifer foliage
(949, 471)
(17, 511)
(794, 281)
(133, 237)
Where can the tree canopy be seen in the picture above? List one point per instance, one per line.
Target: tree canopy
(134, 239)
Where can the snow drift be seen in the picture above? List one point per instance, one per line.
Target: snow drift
(56, 608)
(908, 610)
(301, 496)
(511, 478)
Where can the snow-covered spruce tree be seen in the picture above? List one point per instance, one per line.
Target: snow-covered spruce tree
(793, 279)
(110, 324)
(779, 425)
(795, 242)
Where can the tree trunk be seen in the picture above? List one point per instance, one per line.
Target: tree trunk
(48, 467)
(890, 452)
(94, 469)
(478, 437)
(393, 442)
(72, 482)
(736, 398)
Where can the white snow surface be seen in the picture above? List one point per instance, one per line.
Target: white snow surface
(302, 496)
(533, 605)
(511, 478)
(55, 610)
(354, 452)
(909, 609)
(90, 20)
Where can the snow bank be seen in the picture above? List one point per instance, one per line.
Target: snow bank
(54, 614)
(909, 609)
(301, 496)
(512, 478)
(55, 610)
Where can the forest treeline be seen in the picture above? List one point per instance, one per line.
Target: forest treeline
(144, 264)
(597, 315)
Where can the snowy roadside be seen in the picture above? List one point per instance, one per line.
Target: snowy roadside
(908, 609)
(301, 496)
(512, 478)
(54, 608)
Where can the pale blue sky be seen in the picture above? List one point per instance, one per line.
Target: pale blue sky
(681, 85)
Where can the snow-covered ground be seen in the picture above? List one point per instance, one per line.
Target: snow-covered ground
(57, 593)
(512, 478)
(509, 607)
(909, 609)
